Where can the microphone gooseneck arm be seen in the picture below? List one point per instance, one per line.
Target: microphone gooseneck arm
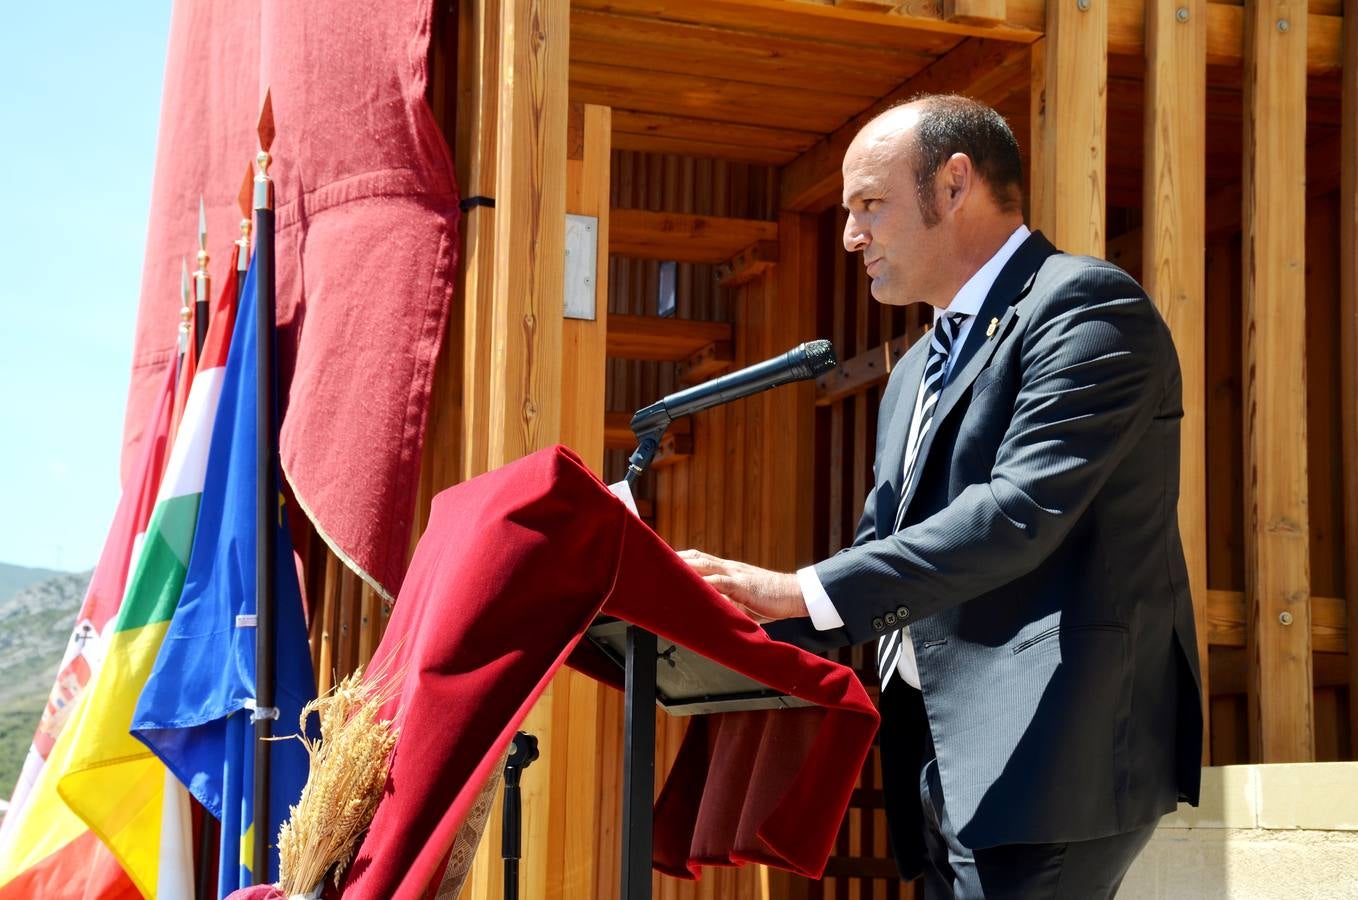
(800, 363)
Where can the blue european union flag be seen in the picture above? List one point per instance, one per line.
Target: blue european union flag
(195, 712)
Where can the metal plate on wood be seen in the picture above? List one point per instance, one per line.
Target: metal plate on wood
(582, 259)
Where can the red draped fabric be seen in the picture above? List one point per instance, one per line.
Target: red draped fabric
(366, 240)
(513, 568)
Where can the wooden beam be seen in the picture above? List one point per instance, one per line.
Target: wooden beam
(712, 360)
(1277, 570)
(478, 98)
(985, 70)
(618, 430)
(585, 340)
(975, 12)
(579, 770)
(644, 234)
(1348, 341)
(1173, 254)
(715, 97)
(1225, 619)
(909, 24)
(525, 367)
(750, 263)
(674, 448)
(1069, 116)
(771, 59)
(786, 510)
(884, 24)
(654, 338)
(856, 375)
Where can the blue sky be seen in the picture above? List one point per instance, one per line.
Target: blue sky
(79, 113)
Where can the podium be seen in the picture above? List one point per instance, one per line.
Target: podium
(683, 683)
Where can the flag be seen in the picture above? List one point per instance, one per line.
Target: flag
(45, 849)
(108, 778)
(195, 711)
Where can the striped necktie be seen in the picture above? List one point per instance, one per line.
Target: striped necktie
(890, 646)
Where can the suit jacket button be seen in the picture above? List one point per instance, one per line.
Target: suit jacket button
(890, 618)
(902, 613)
(878, 625)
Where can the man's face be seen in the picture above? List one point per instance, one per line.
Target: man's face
(900, 252)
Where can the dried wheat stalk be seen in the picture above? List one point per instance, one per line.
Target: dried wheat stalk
(348, 772)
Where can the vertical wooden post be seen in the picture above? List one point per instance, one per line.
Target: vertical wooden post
(579, 770)
(524, 403)
(514, 305)
(1348, 344)
(1174, 255)
(477, 109)
(1069, 124)
(1277, 571)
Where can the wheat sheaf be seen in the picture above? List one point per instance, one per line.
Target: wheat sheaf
(349, 765)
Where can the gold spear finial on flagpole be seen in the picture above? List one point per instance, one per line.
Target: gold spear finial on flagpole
(263, 183)
(243, 200)
(202, 281)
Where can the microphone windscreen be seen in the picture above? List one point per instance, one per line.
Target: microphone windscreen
(820, 356)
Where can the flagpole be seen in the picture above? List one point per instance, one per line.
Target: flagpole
(267, 509)
(202, 284)
(243, 242)
(185, 317)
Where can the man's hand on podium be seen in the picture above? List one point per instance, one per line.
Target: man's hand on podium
(761, 594)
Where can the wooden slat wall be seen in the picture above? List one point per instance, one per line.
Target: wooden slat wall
(704, 501)
(845, 437)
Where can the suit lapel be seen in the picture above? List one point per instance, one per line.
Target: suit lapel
(893, 450)
(1011, 286)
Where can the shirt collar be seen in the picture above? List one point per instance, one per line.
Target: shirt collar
(968, 300)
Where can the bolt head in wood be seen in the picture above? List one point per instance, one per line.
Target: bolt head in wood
(1285, 617)
(1181, 14)
(1082, 5)
(1283, 25)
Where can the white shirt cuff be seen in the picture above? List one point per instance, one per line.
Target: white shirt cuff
(823, 614)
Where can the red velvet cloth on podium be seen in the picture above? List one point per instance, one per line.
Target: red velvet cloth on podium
(513, 568)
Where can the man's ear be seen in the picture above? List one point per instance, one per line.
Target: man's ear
(959, 176)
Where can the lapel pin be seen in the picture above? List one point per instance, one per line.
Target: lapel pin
(990, 332)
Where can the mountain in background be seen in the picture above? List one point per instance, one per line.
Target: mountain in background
(37, 612)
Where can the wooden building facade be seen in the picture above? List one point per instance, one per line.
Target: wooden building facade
(1208, 148)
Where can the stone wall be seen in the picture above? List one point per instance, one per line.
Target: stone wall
(1262, 832)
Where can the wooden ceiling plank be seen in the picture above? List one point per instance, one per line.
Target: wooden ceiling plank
(721, 109)
(743, 153)
(986, 70)
(644, 234)
(912, 24)
(738, 50)
(662, 125)
(663, 340)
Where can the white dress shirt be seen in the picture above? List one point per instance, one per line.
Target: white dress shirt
(968, 300)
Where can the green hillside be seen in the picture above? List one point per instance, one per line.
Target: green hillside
(35, 623)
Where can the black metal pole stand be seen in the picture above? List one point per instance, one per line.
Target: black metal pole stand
(522, 753)
(638, 767)
(638, 761)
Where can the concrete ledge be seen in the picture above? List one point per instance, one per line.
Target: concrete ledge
(1262, 832)
(1302, 796)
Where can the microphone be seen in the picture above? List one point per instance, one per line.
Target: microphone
(798, 364)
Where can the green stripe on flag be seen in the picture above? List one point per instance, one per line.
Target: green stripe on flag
(154, 590)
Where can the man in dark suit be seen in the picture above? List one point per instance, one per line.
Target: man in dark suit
(1018, 560)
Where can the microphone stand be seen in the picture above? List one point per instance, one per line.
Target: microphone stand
(638, 766)
(522, 753)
